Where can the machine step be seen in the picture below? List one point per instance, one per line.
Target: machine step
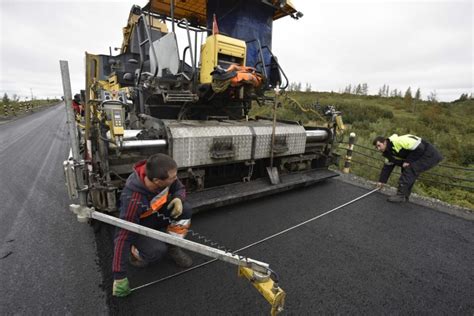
(179, 96)
(236, 192)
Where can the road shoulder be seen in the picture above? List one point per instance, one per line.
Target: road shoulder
(432, 203)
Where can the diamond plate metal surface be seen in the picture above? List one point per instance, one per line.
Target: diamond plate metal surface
(192, 142)
(295, 136)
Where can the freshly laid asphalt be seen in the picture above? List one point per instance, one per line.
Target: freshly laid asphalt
(370, 257)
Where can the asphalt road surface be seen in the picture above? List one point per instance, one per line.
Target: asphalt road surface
(371, 257)
(48, 261)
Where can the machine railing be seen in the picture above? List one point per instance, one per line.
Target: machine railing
(261, 61)
(189, 47)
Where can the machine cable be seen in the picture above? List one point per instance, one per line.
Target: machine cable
(259, 241)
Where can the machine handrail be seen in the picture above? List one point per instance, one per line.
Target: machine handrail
(279, 68)
(193, 63)
(261, 60)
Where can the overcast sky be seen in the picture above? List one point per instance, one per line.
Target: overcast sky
(403, 43)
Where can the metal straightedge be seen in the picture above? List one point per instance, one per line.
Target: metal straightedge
(255, 265)
(257, 272)
(84, 213)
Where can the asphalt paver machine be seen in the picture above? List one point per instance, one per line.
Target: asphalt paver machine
(193, 103)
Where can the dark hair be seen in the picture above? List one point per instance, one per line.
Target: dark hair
(158, 166)
(77, 98)
(378, 139)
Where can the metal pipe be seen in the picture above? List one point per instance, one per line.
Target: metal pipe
(144, 143)
(172, 15)
(316, 136)
(195, 61)
(129, 144)
(311, 136)
(183, 243)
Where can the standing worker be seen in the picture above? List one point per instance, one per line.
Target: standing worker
(76, 105)
(413, 154)
(153, 189)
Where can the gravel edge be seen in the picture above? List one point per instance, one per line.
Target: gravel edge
(432, 203)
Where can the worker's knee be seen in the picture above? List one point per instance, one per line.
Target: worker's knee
(408, 176)
(153, 251)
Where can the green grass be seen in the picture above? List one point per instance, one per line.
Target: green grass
(449, 126)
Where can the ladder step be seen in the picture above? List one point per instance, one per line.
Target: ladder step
(180, 96)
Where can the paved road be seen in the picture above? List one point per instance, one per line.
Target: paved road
(368, 258)
(371, 257)
(47, 260)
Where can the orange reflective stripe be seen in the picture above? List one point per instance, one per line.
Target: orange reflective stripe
(147, 213)
(181, 230)
(155, 204)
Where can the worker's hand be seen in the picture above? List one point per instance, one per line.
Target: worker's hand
(406, 165)
(176, 207)
(121, 288)
(379, 185)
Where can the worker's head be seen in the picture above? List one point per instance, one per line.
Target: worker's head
(380, 143)
(161, 171)
(77, 98)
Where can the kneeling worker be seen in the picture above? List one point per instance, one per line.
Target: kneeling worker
(413, 154)
(153, 188)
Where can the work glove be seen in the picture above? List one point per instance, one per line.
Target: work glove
(176, 207)
(121, 288)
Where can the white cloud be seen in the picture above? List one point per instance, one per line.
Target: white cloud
(423, 43)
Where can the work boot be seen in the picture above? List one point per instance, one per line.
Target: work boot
(179, 257)
(397, 198)
(135, 259)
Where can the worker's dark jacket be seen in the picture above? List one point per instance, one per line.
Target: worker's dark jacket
(408, 148)
(135, 207)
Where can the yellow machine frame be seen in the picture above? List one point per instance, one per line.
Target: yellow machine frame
(220, 45)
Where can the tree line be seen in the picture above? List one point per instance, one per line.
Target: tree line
(384, 92)
(296, 86)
